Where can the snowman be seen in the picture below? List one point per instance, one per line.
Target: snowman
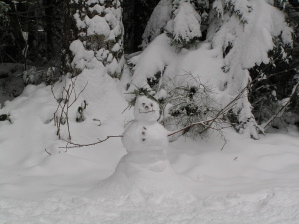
(144, 169)
(145, 137)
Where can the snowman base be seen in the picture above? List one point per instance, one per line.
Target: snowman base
(146, 173)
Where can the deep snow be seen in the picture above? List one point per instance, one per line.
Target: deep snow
(247, 182)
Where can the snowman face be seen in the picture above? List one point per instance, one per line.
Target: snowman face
(146, 109)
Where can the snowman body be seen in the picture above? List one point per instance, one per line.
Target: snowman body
(143, 136)
(145, 167)
(145, 133)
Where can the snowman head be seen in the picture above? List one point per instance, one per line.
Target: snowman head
(146, 109)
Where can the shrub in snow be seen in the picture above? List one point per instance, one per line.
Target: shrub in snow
(182, 103)
(95, 38)
(11, 82)
(187, 102)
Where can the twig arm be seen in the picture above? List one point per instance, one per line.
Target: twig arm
(76, 145)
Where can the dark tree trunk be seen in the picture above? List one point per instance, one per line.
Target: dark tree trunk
(136, 14)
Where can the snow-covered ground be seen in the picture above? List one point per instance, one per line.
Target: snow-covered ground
(247, 181)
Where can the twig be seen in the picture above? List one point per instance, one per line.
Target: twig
(126, 108)
(225, 141)
(76, 145)
(95, 119)
(66, 105)
(47, 152)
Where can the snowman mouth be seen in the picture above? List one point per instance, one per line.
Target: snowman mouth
(145, 112)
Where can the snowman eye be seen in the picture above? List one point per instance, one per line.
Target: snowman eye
(151, 105)
(143, 104)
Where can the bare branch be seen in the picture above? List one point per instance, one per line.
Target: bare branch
(47, 152)
(225, 141)
(77, 96)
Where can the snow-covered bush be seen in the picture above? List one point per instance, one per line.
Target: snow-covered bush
(184, 28)
(95, 38)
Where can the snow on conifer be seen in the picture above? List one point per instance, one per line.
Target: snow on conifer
(243, 35)
(96, 37)
(157, 22)
(184, 27)
(180, 20)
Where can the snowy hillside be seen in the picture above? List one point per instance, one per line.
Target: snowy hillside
(247, 181)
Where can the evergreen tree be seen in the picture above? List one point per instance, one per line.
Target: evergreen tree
(184, 28)
(269, 94)
(243, 32)
(54, 28)
(29, 29)
(157, 22)
(93, 36)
